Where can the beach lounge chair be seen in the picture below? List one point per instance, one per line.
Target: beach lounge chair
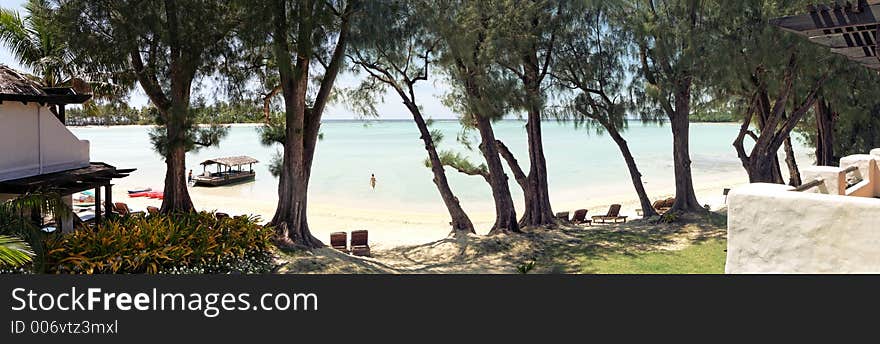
(123, 210)
(613, 215)
(580, 216)
(562, 215)
(339, 241)
(359, 245)
(663, 205)
(152, 210)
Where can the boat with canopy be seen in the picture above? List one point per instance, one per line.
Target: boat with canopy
(229, 170)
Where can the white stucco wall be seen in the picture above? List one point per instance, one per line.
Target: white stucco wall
(33, 141)
(773, 229)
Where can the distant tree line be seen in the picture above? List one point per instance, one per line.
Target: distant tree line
(116, 113)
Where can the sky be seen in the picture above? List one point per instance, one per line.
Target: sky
(428, 93)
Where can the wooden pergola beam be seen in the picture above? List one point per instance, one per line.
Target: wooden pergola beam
(849, 30)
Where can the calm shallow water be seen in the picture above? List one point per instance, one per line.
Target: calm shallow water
(581, 164)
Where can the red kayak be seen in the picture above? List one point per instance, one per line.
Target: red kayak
(156, 195)
(140, 194)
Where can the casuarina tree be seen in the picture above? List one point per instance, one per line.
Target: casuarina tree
(165, 46)
(592, 66)
(301, 46)
(479, 89)
(527, 33)
(397, 55)
(670, 36)
(775, 81)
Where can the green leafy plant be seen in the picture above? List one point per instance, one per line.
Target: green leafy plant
(14, 252)
(668, 217)
(525, 268)
(179, 243)
(16, 221)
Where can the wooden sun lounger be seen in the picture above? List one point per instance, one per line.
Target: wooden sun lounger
(339, 241)
(613, 215)
(580, 216)
(123, 210)
(562, 215)
(663, 205)
(152, 211)
(359, 245)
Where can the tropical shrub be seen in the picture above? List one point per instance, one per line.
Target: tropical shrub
(16, 222)
(179, 243)
(668, 217)
(14, 253)
(525, 268)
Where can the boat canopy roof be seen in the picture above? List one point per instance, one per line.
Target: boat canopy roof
(231, 161)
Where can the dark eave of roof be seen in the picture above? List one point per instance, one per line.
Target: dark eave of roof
(19, 87)
(59, 99)
(67, 182)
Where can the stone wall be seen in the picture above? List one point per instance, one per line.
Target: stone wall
(828, 229)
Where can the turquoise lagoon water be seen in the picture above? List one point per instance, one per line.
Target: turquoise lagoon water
(581, 164)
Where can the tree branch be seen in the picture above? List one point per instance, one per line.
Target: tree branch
(518, 173)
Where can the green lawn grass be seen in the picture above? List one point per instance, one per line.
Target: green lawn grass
(700, 258)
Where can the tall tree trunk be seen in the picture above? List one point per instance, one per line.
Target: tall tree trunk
(461, 223)
(505, 214)
(521, 178)
(290, 218)
(762, 165)
(302, 124)
(685, 197)
(825, 118)
(794, 173)
(538, 211)
(176, 196)
(644, 201)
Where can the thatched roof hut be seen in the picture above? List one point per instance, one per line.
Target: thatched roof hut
(17, 86)
(231, 161)
(14, 83)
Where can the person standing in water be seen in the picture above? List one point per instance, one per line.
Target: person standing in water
(190, 177)
(373, 181)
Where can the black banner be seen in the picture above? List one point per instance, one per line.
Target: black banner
(98, 309)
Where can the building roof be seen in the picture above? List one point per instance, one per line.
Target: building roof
(231, 161)
(17, 86)
(66, 182)
(848, 29)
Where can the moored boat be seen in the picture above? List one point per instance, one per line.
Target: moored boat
(139, 190)
(230, 170)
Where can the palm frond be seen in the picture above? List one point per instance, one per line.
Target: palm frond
(16, 35)
(16, 221)
(14, 252)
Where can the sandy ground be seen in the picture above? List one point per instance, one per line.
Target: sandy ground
(394, 228)
(558, 250)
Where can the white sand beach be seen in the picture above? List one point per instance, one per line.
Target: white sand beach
(391, 228)
(405, 208)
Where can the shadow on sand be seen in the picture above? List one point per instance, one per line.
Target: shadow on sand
(560, 250)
